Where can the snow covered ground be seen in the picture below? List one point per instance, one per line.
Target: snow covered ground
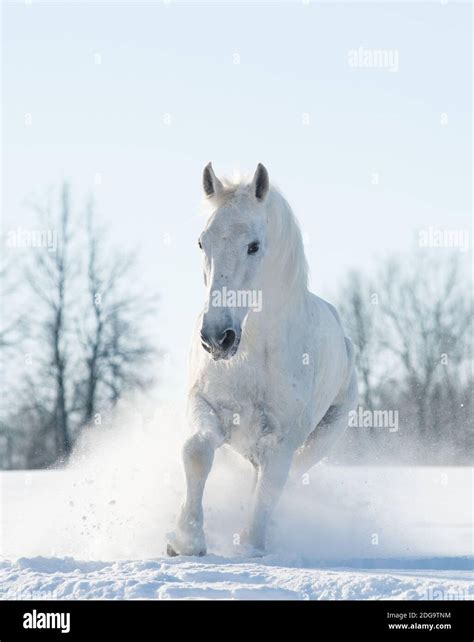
(220, 578)
(97, 530)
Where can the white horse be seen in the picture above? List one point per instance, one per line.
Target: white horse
(271, 372)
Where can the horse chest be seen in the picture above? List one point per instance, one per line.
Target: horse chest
(253, 415)
(250, 428)
(263, 400)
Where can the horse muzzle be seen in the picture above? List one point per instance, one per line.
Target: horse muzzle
(221, 345)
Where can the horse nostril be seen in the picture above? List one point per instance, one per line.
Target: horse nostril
(205, 342)
(227, 339)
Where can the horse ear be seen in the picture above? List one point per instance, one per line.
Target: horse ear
(210, 182)
(261, 182)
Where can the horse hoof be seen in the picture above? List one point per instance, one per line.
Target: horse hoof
(170, 551)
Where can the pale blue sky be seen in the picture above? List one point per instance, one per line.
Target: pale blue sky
(178, 59)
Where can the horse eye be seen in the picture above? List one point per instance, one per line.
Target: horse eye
(200, 244)
(253, 247)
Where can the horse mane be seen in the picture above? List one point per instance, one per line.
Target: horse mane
(284, 234)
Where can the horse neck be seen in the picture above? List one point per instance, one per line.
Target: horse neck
(278, 315)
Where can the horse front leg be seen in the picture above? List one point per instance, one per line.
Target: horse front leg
(198, 455)
(271, 482)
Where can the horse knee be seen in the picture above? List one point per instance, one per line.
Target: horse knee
(198, 453)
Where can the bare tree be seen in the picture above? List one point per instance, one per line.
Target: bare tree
(413, 354)
(13, 328)
(50, 278)
(426, 326)
(93, 342)
(358, 313)
(116, 348)
(13, 324)
(86, 336)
